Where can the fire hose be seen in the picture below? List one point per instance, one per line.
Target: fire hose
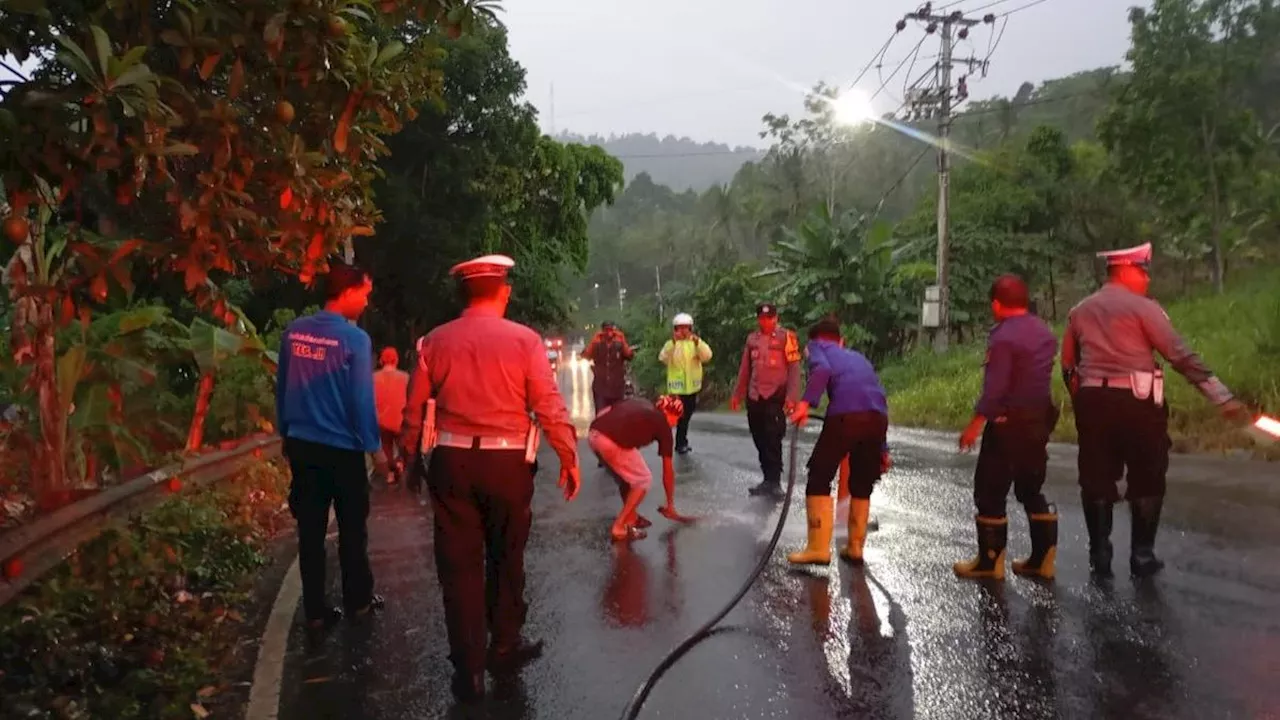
(632, 710)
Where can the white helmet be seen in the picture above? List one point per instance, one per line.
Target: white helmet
(682, 319)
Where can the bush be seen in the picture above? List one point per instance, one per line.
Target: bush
(135, 623)
(1237, 334)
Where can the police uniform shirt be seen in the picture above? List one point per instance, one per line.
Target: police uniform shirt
(1111, 334)
(487, 374)
(770, 362)
(1019, 367)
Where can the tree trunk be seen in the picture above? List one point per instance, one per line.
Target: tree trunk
(50, 486)
(195, 438)
(1217, 264)
(1053, 295)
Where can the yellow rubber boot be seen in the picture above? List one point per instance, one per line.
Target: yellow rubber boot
(1044, 546)
(993, 534)
(859, 511)
(821, 511)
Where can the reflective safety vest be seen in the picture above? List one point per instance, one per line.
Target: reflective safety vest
(684, 362)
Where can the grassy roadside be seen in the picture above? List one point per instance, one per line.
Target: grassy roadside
(143, 621)
(1237, 334)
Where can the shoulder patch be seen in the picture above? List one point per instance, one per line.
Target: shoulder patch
(792, 348)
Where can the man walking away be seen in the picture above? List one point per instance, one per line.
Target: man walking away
(684, 355)
(609, 354)
(390, 388)
(616, 436)
(486, 375)
(1017, 411)
(326, 415)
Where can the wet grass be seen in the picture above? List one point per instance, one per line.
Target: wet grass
(1237, 334)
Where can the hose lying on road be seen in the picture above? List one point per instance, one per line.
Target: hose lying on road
(632, 710)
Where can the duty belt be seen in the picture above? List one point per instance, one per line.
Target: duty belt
(476, 442)
(1125, 383)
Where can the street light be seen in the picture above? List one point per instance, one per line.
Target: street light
(853, 107)
(596, 290)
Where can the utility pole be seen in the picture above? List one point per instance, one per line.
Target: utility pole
(622, 292)
(924, 102)
(657, 273)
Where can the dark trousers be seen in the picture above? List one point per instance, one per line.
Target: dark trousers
(682, 427)
(1014, 454)
(481, 500)
(861, 436)
(324, 475)
(1116, 432)
(768, 426)
(604, 397)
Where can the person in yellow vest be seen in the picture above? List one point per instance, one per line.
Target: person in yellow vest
(684, 355)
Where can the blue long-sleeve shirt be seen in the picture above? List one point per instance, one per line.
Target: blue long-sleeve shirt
(846, 376)
(1019, 367)
(324, 384)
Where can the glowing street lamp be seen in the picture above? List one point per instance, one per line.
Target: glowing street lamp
(853, 107)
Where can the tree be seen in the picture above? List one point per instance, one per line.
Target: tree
(205, 140)
(473, 174)
(852, 267)
(1181, 131)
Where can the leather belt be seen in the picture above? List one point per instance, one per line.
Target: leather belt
(475, 442)
(1125, 383)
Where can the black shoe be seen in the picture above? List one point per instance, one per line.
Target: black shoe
(771, 489)
(326, 621)
(515, 657)
(468, 687)
(1097, 518)
(376, 603)
(684, 449)
(1146, 521)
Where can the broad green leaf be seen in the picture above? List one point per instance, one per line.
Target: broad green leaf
(391, 51)
(135, 75)
(102, 44)
(70, 367)
(212, 345)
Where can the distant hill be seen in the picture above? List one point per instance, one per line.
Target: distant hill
(679, 163)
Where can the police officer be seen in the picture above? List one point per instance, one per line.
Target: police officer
(486, 375)
(1015, 416)
(855, 427)
(1117, 391)
(609, 354)
(769, 378)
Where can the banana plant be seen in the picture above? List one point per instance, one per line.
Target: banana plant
(212, 347)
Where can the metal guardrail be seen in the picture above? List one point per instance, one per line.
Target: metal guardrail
(38, 547)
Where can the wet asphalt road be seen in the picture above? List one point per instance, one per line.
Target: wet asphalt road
(901, 639)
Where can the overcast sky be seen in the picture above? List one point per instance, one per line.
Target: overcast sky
(709, 69)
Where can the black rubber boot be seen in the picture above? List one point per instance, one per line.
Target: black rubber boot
(468, 687)
(993, 536)
(1044, 545)
(771, 487)
(1097, 518)
(1146, 521)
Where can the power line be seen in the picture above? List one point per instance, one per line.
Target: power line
(1031, 4)
(878, 56)
(886, 81)
(899, 182)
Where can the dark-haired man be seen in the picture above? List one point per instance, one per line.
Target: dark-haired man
(326, 415)
(856, 426)
(486, 375)
(1015, 416)
(1118, 395)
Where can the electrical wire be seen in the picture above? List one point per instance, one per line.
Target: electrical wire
(1020, 8)
(897, 70)
(874, 59)
(898, 182)
(632, 710)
